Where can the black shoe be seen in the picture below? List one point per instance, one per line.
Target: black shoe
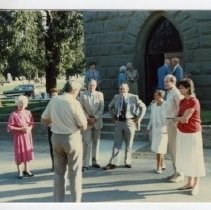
(128, 166)
(95, 165)
(109, 167)
(85, 169)
(26, 173)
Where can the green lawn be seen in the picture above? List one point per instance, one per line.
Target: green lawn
(206, 117)
(36, 106)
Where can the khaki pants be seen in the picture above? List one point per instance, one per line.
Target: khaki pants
(91, 142)
(68, 151)
(172, 133)
(124, 130)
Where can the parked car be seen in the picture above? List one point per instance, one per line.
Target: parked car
(26, 89)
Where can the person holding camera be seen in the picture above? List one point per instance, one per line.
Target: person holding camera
(127, 111)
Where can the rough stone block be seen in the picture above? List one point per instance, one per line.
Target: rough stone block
(202, 80)
(115, 61)
(201, 16)
(204, 27)
(205, 41)
(192, 43)
(190, 34)
(203, 55)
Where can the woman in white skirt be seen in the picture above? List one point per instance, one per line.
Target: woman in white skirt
(189, 150)
(158, 127)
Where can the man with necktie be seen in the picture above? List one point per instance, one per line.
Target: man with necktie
(92, 102)
(127, 111)
(92, 73)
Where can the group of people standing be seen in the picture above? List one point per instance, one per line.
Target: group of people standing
(176, 122)
(75, 121)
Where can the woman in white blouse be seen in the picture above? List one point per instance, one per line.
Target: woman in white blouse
(159, 129)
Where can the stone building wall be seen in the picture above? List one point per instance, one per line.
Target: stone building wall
(113, 38)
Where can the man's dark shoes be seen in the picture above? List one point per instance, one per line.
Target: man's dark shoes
(128, 166)
(95, 165)
(109, 167)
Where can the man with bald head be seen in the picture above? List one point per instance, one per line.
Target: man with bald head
(92, 102)
(162, 72)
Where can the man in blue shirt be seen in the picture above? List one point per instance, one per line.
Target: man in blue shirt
(162, 72)
(177, 69)
(92, 73)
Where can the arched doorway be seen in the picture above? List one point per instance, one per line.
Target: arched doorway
(163, 41)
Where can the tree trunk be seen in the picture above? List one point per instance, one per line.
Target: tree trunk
(51, 71)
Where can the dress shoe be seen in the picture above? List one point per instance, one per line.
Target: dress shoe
(186, 187)
(95, 165)
(109, 167)
(27, 173)
(128, 166)
(85, 169)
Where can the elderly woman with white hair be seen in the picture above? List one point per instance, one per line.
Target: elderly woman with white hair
(122, 75)
(132, 78)
(20, 124)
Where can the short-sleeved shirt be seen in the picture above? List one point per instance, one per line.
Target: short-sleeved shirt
(65, 113)
(194, 123)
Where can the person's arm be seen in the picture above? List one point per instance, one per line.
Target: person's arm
(188, 112)
(81, 100)
(46, 117)
(11, 125)
(101, 109)
(143, 108)
(80, 116)
(150, 120)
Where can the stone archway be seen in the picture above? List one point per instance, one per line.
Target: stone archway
(163, 39)
(140, 26)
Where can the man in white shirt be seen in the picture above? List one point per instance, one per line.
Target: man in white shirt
(92, 102)
(67, 119)
(172, 107)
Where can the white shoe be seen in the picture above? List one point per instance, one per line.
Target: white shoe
(159, 171)
(195, 191)
(176, 179)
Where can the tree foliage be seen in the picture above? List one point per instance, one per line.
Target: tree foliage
(37, 42)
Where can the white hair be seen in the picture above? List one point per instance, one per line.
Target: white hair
(122, 68)
(71, 85)
(21, 99)
(93, 81)
(171, 78)
(125, 85)
(129, 65)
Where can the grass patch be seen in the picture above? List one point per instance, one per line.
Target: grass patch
(206, 117)
(36, 106)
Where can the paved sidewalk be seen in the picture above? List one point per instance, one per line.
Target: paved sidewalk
(139, 184)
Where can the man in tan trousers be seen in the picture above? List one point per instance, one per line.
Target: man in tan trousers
(127, 111)
(173, 98)
(92, 102)
(67, 119)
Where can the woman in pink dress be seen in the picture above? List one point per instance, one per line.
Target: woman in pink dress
(20, 125)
